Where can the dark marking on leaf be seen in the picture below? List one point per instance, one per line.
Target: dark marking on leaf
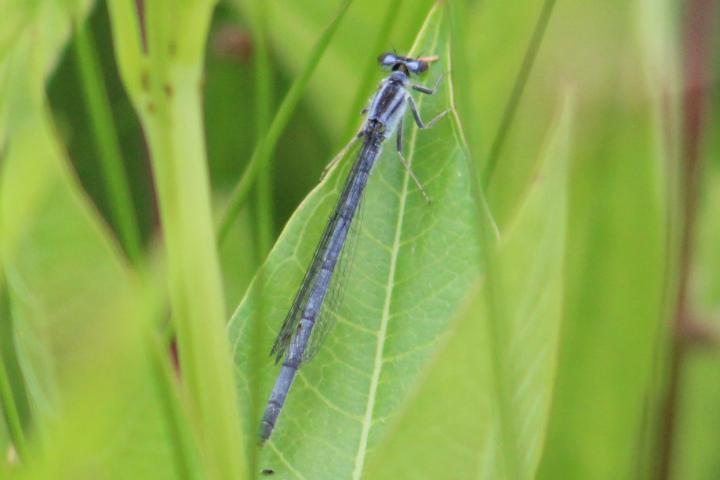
(145, 80)
(232, 43)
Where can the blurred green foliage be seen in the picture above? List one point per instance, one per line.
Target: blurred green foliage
(553, 359)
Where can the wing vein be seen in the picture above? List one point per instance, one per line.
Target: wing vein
(354, 185)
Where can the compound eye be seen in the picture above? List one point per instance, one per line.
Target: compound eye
(387, 60)
(417, 66)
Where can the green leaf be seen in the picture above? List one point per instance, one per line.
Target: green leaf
(413, 265)
(498, 38)
(15, 404)
(81, 326)
(4, 447)
(495, 371)
(617, 271)
(106, 141)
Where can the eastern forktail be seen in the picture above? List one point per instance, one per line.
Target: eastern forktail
(384, 117)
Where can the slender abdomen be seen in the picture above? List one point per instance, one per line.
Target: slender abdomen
(340, 224)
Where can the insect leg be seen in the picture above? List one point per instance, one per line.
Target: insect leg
(428, 90)
(406, 164)
(416, 115)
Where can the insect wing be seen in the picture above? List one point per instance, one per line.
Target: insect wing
(292, 319)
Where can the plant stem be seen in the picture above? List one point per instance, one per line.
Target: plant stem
(106, 142)
(698, 29)
(176, 141)
(263, 76)
(264, 150)
(517, 91)
(165, 85)
(263, 206)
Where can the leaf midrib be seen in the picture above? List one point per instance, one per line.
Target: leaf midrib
(380, 348)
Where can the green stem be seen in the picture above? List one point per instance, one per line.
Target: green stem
(518, 88)
(106, 142)
(264, 149)
(176, 141)
(263, 204)
(165, 86)
(262, 120)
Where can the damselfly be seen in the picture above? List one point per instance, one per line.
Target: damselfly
(384, 117)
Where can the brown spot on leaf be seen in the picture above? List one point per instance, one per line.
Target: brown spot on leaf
(145, 80)
(232, 43)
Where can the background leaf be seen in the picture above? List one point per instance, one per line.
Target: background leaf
(617, 257)
(79, 321)
(490, 77)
